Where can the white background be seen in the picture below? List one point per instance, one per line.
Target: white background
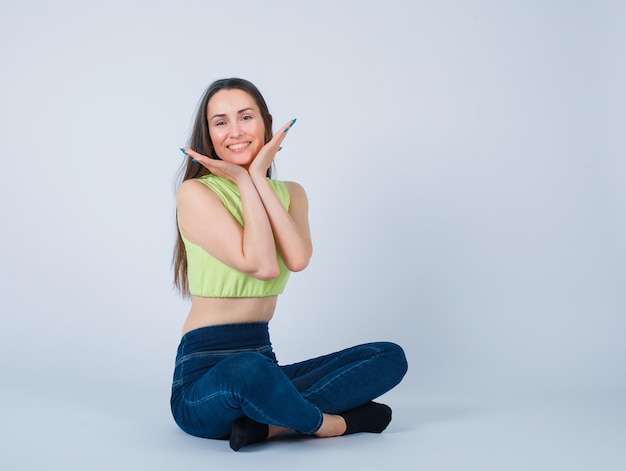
(465, 168)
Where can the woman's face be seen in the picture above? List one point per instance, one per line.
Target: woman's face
(235, 126)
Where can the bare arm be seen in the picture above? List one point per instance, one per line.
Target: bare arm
(290, 228)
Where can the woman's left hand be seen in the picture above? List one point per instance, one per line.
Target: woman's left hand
(265, 157)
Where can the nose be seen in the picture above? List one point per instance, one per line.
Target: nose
(235, 128)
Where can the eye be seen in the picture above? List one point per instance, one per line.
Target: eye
(246, 117)
(220, 123)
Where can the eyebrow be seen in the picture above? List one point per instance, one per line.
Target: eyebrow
(221, 115)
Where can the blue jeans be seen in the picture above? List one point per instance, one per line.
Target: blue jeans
(229, 371)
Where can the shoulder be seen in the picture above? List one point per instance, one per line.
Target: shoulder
(189, 187)
(295, 190)
(194, 190)
(297, 196)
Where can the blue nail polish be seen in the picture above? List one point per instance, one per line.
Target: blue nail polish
(293, 122)
(194, 161)
(183, 151)
(286, 130)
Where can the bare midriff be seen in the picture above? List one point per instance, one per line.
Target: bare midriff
(206, 312)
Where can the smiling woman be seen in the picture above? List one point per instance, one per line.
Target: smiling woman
(240, 234)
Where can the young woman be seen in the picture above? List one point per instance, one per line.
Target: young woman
(240, 235)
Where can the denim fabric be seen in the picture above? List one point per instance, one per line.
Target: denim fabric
(228, 371)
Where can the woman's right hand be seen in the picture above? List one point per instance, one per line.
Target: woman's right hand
(217, 167)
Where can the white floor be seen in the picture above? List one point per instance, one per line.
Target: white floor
(47, 431)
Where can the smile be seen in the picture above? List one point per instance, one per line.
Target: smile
(239, 146)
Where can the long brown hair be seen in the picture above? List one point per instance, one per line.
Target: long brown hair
(200, 141)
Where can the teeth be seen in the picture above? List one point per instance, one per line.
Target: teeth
(238, 146)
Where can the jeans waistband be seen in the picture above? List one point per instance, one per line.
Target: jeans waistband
(225, 337)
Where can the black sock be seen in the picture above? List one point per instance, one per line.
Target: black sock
(246, 431)
(371, 417)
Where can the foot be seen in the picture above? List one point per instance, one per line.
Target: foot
(371, 417)
(246, 431)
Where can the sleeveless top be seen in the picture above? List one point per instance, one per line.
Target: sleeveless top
(211, 278)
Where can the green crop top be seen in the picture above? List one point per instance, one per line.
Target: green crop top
(207, 276)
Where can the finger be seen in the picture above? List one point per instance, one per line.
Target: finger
(195, 156)
(288, 126)
(281, 134)
(188, 151)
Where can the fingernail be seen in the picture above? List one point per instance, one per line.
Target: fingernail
(194, 161)
(293, 121)
(183, 151)
(279, 149)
